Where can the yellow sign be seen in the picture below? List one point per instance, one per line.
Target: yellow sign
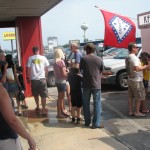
(9, 36)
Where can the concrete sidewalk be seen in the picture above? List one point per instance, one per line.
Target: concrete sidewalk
(51, 133)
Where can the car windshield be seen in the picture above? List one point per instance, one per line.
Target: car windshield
(112, 51)
(122, 54)
(49, 56)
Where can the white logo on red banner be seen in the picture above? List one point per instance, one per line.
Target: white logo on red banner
(121, 28)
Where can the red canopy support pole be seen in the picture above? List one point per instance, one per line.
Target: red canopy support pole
(28, 34)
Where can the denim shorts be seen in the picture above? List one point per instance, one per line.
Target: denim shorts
(61, 87)
(13, 87)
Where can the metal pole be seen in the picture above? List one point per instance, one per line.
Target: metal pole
(12, 47)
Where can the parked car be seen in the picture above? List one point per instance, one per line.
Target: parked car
(115, 72)
(112, 52)
(51, 77)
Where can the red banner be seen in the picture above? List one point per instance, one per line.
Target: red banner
(119, 30)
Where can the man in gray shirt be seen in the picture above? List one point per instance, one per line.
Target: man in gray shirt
(91, 66)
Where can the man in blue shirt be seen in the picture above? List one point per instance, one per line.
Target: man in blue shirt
(77, 53)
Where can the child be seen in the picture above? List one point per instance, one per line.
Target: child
(146, 76)
(21, 80)
(75, 81)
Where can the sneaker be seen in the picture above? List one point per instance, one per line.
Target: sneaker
(78, 120)
(24, 107)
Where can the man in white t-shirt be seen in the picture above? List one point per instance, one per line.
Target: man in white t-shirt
(135, 80)
(37, 71)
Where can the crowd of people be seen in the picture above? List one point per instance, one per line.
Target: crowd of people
(78, 79)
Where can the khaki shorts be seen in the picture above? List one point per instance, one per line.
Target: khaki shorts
(10, 144)
(136, 90)
(39, 87)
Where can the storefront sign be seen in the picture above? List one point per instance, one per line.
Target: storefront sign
(9, 36)
(144, 20)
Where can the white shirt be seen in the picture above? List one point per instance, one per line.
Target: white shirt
(134, 61)
(37, 63)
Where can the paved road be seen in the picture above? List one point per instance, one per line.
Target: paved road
(131, 131)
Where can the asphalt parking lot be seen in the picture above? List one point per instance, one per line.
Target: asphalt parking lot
(132, 131)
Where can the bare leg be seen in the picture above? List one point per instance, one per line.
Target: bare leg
(36, 98)
(144, 103)
(78, 112)
(68, 96)
(43, 101)
(73, 112)
(19, 108)
(60, 104)
(130, 105)
(138, 103)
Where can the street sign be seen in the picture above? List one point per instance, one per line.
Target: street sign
(144, 20)
(9, 36)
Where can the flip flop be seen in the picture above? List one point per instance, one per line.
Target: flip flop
(146, 111)
(139, 115)
(131, 114)
(44, 115)
(37, 109)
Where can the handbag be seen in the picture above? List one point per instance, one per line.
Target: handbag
(20, 95)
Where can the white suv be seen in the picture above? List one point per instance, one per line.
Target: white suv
(115, 70)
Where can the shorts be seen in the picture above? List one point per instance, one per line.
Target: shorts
(61, 87)
(39, 87)
(145, 82)
(76, 98)
(10, 144)
(12, 87)
(136, 90)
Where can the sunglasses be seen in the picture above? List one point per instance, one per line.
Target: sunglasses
(136, 47)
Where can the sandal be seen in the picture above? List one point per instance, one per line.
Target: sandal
(65, 113)
(146, 111)
(19, 114)
(131, 114)
(37, 109)
(44, 115)
(139, 115)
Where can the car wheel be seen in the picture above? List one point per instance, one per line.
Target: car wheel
(51, 79)
(122, 80)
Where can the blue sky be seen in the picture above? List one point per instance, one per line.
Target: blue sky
(64, 20)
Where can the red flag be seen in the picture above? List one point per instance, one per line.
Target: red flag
(119, 30)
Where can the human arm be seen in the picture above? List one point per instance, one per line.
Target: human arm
(3, 78)
(46, 72)
(46, 64)
(141, 68)
(28, 71)
(16, 77)
(11, 119)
